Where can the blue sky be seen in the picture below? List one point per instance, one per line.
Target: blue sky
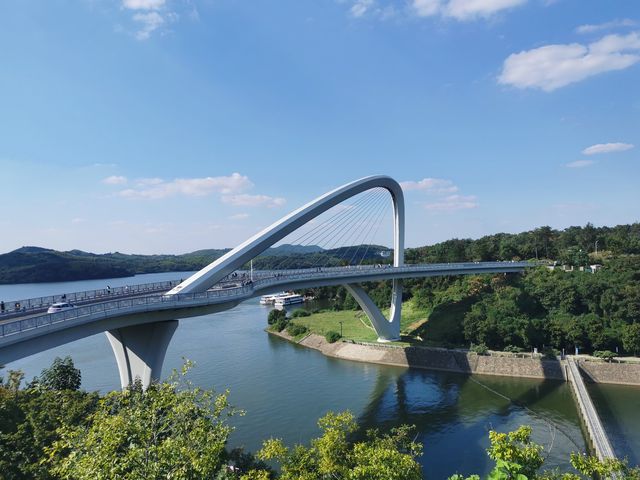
(166, 126)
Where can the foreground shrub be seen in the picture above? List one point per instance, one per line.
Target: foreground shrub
(379, 457)
(516, 457)
(301, 312)
(171, 430)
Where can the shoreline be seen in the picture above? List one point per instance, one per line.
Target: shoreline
(468, 363)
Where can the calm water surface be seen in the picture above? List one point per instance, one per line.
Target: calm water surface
(619, 410)
(285, 388)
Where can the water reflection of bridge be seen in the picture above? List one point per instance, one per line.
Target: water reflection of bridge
(453, 413)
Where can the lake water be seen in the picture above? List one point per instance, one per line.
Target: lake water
(285, 388)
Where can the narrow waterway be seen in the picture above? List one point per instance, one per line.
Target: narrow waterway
(284, 388)
(619, 410)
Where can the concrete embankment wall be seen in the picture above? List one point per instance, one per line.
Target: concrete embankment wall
(464, 362)
(437, 359)
(621, 373)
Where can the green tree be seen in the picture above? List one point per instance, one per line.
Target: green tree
(61, 375)
(171, 430)
(29, 423)
(518, 458)
(276, 315)
(332, 455)
(515, 454)
(631, 338)
(14, 379)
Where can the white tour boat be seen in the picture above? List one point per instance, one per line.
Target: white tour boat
(289, 299)
(270, 299)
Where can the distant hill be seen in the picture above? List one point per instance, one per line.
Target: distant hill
(571, 245)
(288, 249)
(36, 264)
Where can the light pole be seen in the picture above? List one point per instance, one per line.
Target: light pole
(596, 247)
(340, 329)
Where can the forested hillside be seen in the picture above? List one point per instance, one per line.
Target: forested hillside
(541, 308)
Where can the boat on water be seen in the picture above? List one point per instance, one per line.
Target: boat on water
(270, 299)
(289, 299)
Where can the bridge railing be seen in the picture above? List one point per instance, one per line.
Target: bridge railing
(33, 304)
(233, 287)
(22, 325)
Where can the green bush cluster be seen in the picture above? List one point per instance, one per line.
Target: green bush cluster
(276, 315)
(480, 349)
(301, 312)
(513, 349)
(332, 336)
(280, 325)
(295, 329)
(607, 355)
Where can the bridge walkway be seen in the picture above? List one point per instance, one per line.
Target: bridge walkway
(595, 430)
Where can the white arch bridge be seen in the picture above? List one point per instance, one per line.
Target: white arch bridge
(140, 320)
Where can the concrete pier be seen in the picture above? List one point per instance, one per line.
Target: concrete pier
(595, 430)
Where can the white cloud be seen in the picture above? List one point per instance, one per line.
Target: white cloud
(156, 15)
(607, 148)
(360, 7)
(580, 164)
(554, 66)
(115, 180)
(151, 21)
(143, 4)
(463, 10)
(246, 200)
(606, 26)
(143, 182)
(447, 199)
(78, 220)
(472, 9)
(426, 8)
(431, 185)
(452, 203)
(239, 216)
(154, 188)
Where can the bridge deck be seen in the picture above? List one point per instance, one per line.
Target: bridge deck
(142, 299)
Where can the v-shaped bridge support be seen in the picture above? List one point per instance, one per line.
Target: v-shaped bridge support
(388, 330)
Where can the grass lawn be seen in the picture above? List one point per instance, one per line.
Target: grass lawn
(355, 324)
(442, 326)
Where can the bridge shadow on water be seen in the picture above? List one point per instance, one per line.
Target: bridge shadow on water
(453, 413)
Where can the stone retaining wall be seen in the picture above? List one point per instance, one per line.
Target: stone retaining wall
(470, 363)
(621, 373)
(438, 359)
